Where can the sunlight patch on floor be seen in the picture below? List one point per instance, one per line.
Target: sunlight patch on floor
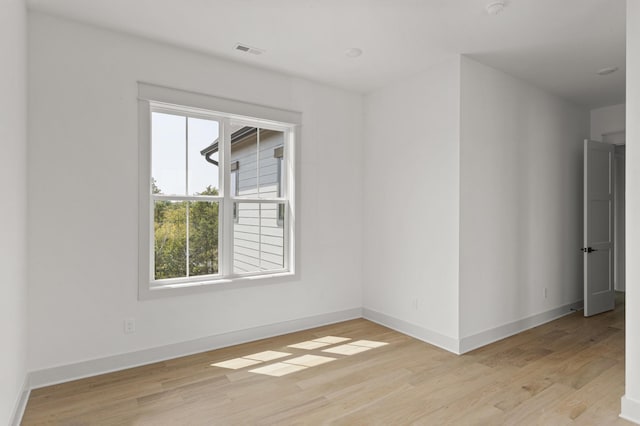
(267, 355)
(347, 349)
(310, 360)
(236, 363)
(331, 339)
(302, 362)
(320, 342)
(368, 343)
(278, 369)
(292, 365)
(309, 345)
(249, 360)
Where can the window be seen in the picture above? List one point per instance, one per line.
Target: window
(216, 196)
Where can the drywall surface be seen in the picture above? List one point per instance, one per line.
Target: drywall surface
(13, 215)
(411, 170)
(520, 200)
(609, 119)
(631, 400)
(83, 196)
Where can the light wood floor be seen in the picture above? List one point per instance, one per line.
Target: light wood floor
(570, 371)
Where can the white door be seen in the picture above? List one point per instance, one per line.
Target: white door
(599, 295)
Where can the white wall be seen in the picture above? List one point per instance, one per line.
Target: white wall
(607, 119)
(411, 169)
(83, 196)
(631, 400)
(13, 175)
(520, 200)
(480, 179)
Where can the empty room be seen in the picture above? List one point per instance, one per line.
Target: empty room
(320, 212)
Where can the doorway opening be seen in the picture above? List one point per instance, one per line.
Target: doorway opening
(619, 184)
(604, 222)
(618, 139)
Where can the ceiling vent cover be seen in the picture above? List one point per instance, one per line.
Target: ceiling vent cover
(607, 70)
(241, 47)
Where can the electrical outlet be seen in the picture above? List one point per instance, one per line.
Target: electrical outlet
(129, 326)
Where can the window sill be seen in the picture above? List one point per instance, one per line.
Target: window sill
(146, 292)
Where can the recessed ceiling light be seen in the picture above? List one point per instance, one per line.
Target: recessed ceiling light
(607, 70)
(353, 52)
(495, 7)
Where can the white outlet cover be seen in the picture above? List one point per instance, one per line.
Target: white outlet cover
(129, 326)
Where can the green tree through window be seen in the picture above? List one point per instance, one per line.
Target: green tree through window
(171, 230)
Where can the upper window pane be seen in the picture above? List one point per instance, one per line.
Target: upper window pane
(254, 150)
(270, 155)
(203, 156)
(184, 155)
(168, 160)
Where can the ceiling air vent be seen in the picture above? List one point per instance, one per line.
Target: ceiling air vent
(607, 70)
(248, 49)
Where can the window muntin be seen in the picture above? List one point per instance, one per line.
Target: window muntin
(256, 191)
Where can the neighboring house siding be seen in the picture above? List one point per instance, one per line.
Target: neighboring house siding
(258, 237)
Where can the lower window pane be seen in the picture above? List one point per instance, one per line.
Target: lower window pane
(258, 238)
(203, 237)
(271, 237)
(170, 239)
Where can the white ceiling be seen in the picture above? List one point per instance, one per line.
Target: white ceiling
(557, 45)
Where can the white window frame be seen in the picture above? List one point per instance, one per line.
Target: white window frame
(160, 99)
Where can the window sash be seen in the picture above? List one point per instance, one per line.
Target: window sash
(155, 283)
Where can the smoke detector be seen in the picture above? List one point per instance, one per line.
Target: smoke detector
(495, 7)
(607, 70)
(241, 47)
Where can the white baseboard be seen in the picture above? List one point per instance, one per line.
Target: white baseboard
(65, 373)
(630, 409)
(433, 338)
(483, 338)
(475, 341)
(21, 403)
